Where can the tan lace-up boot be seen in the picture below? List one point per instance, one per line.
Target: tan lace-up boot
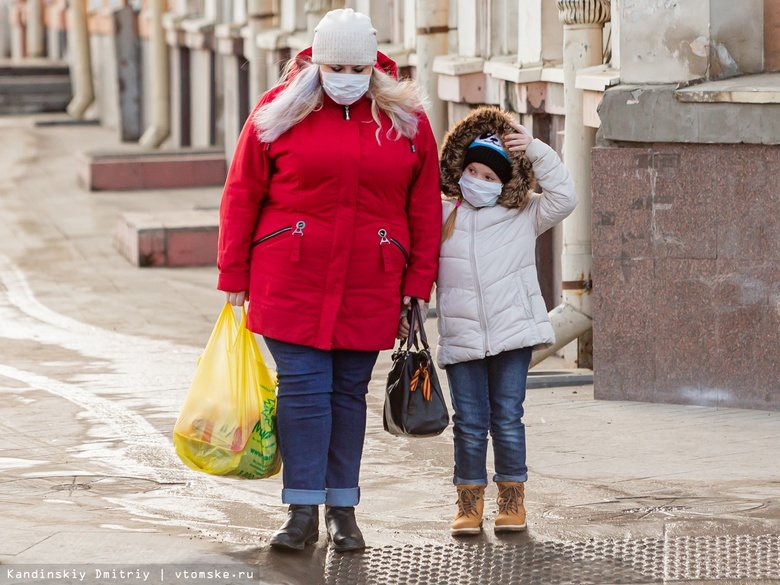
(471, 503)
(511, 512)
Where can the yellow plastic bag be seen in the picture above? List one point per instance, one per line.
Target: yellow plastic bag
(227, 425)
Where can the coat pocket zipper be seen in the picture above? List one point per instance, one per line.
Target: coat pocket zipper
(269, 236)
(383, 239)
(295, 249)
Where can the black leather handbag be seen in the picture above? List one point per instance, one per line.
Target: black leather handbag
(414, 403)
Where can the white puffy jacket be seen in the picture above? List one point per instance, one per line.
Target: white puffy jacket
(487, 293)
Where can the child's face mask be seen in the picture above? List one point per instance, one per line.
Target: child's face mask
(345, 88)
(479, 193)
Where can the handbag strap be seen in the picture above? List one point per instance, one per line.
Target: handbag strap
(415, 319)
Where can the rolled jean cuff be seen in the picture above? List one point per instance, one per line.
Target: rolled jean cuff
(343, 497)
(303, 497)
(502, 478)
(460, 481)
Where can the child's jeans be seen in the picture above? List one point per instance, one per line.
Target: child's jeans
(487, 396)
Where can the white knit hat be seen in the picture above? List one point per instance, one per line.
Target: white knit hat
(344, 37)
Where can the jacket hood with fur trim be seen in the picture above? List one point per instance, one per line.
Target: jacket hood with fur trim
(485, 119)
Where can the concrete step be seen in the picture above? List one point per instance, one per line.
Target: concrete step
(33, 67)
(559, 378)
(28, 94)
(168, 239)
(27, 84)
(146, 169)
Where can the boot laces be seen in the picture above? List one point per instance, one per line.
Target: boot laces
(509, 499)
(467, 501)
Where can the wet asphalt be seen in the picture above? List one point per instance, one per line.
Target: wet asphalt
(97, 355)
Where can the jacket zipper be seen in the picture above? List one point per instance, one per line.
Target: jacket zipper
(346, 112)
(384, 240)
(269, 236)
(475, 275)
(299, 225)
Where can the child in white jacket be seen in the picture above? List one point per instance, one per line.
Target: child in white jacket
(491, 314)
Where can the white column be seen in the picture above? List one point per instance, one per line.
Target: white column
(432, 19)
(470, 29)
(36, 34)
(261, 17)
(615, 24)
(529, 48)
(582, 47)
(316, 9)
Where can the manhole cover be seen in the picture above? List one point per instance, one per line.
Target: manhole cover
(95, 485)
(644, 508)
(70, 487)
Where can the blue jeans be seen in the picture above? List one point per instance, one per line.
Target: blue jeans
(487, 396)
(321, 421)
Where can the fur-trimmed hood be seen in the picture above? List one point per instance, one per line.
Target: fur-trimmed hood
(485, 119)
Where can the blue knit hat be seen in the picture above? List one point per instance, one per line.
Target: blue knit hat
(488, 150)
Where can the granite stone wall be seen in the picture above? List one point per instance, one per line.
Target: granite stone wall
(686, 270)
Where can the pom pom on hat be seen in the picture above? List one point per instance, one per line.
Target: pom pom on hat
(344, 37)
(488, 150)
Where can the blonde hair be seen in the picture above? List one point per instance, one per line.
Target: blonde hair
(449, 225)
(401, 101)
(301, 95)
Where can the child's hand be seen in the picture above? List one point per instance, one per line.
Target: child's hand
(519, 141)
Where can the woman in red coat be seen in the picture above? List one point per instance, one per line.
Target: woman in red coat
(330, 221)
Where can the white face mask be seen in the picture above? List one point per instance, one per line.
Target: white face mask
(478, 192)
(345, 88)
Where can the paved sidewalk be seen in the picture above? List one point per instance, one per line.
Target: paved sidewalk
(96, 356)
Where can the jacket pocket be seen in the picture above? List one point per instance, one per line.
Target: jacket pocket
(295, 243)
(394, 255)
(522, 299)
(533, 302)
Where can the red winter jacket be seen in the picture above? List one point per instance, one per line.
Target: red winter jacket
(327, 229)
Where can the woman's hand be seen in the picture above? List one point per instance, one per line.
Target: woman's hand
(237, 299)
(518, 141)
(403, 328)
(407, 302)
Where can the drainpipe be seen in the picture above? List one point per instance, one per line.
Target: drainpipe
(161, 95)
(432, 20)
(83, 88)
(582, 47)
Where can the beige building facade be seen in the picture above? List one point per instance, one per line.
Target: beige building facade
(667, 113)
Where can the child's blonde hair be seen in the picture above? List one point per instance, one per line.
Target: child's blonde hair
(449, 225)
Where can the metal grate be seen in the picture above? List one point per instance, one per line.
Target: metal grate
(714, 558)
(546, 563)
(618, 562)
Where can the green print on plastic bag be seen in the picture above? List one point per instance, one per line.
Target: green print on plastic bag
(260, 457)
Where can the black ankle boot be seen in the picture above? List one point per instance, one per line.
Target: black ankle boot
(302, 527)
(343, 530)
